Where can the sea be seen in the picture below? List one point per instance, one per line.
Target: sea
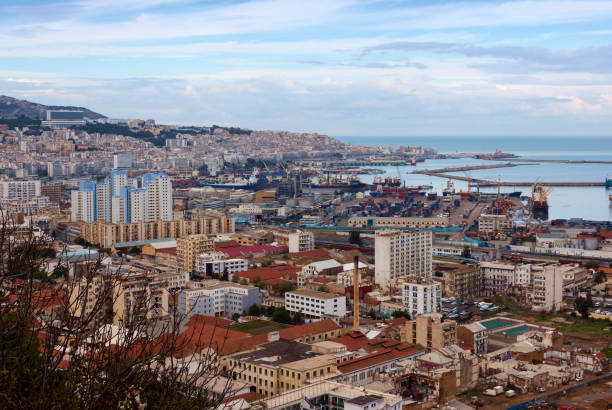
(589, 203)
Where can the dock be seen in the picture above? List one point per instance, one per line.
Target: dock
(467, 168)
(489, 183)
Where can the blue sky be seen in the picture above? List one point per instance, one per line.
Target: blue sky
(341, 67)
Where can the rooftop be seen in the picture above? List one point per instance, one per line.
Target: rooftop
(295, 332)
(277, 353)
(314, 293)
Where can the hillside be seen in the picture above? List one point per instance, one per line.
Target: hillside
(13, 108)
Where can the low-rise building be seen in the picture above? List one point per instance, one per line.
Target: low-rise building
(495, 223)
(473, 335)
(315, 305)
(463, 282)
(217, 298)
(215, 263)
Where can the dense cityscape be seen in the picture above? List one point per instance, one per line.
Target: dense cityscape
(259, 270)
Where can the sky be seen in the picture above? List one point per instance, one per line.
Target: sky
(339, 67)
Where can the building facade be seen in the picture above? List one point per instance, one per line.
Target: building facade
(188, 248)
(315, 305)
(420, 298)
(404, 254)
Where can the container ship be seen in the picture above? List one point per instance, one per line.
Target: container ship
(387, 181)
(350, 184)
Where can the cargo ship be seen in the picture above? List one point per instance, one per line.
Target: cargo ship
(450, 188)
(539, 202)
(350, 184)
(387, 181)
(608, 182)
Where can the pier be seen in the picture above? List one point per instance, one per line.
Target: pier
(467, 168)
(489, 183)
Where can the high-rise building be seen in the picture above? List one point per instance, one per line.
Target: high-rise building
(404, 254)
(121, 199)
(188, 248)
(84, 205)
(420, 298)
(22, 190)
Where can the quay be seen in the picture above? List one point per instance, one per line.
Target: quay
(466, 168)
(489, 183)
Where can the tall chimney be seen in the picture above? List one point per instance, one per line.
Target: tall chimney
(356, 295)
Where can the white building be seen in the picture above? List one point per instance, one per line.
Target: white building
(217, 298)
(420, 298)
(22, 190)
(315, 305)
(497, 276)
(214, 263)
(405, 254)
(301, 241)
(84, 202)
(122, 161)
(123, 199)
(548, 289)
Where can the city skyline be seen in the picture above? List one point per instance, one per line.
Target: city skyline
(340, 68)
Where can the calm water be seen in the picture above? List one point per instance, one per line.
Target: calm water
(588, 202)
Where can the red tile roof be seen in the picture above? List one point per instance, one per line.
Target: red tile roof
(375, 358)
(226, 244)
(352, 341)
(208, 320)
(248, 251)
(270, 272)
(242, 345)
(295, 332)
(315, 253)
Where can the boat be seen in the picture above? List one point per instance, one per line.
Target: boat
(608, 182)
(351, 184)
(450, 188)
(387, 181)
(539, 202)
(515, 194)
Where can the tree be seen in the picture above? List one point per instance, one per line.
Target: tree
(236, 316)
(400, 313)
(269, 310)
(225, 275)
(243, 281)
(322, 288)
(297, 318)
(281, 315)
(439, 274)
(372, 314)
(254, 310)
(235, 278)
(582, 305)
(591, 265)
(61, 271)
(600, 277)
(58, 350)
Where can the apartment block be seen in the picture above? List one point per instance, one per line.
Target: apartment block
(217, 298)
(431, 331)
(188, 248)
(106, 234)
(498, 277)
(22, 190)
(495, 223)
(53, 192)
(403, 255)
(120, 198)
(214, 263)
(548, 289)
(463, 282)
(420, 298)
(298, 241)
(315, 305)
(474, 335)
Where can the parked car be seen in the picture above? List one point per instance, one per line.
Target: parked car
(579, 379)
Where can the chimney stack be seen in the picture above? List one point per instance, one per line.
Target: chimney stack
(356, 295)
